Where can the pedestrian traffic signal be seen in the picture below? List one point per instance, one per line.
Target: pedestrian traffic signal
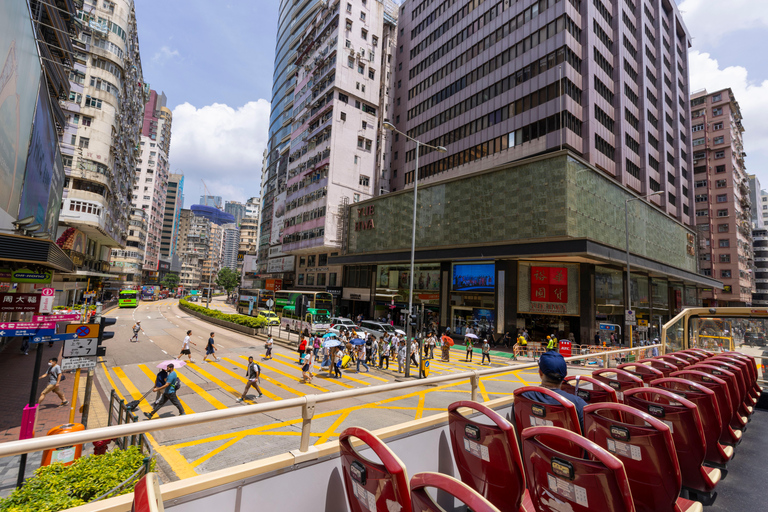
(414, 320)
(103, 323)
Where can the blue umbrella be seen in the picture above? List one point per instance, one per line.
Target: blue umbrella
(357, 341)
(331, 343)
(330, 335)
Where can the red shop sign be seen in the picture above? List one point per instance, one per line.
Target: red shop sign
(549, 284)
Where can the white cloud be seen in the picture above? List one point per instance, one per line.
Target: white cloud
(164, 54)
(221, 145)
(705, 73)
(709, 20)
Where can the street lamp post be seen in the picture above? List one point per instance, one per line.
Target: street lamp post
(389, 126)
(626, 233)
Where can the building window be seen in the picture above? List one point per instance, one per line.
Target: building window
(349, 7)
(721, 183)
(725, 258)
(699, 142)
(375, 41)
(355, 198)
(701, 198)
(720, 154)
(343, 116)
(302, 261)
(301, 279)
(351, 62)
(360, 142)
(722, 198)
(722, 228)
(361, 70)
(362, 17)
(701, 183)
(716, 98)
(310, 279)
(349, 24)
(719, 140)
(725, 273)
(371, 73)
(364, 181)
(717, 126)
(724, 242)
(697, 128)
(312, 261)
(702, 213)
(720, 168)
(84, 142)
(332, 279)
(364, 35)
(322, 260)
(320, 279)
(706, 271)
(722, 213)
(717, 111)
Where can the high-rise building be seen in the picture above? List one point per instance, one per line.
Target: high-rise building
(253, 207)
(764, 206)
(212, 201)
(128, 263)
(760, 248)
(339, 104)
(249, 235)
(756, 201)
(236, 209)
(100, 144)
(723, 217)
(230, 244)
(150, 182)
(174, 200)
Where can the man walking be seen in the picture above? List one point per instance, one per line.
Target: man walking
(54, 379)
(185, 351)
(210, 349)
(169, 389)
(384, 353)
(136, 329)
(253, 374)
(268, 346)
(486, 352)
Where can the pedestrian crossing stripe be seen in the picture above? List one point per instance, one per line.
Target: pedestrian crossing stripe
(200, 391)
(223, 385)
(263, 376)
(151, 377)
(285, 374)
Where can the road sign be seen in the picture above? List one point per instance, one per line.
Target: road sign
(629, 315)
(270, 303)
(84, 330)
(28, 325)
(89, 295)
(607, 327)
(46, 300)
(56, 318)
(19, 302)
(80, 347)
(73, 363)
(630, 322)
(642, 322)
(26, 332)
(55, 337)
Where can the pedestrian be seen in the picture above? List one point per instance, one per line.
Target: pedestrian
(446, 352)
(336, 355)
(316, 346)
(306, 370)
(551, 343)
(386, 346)
(432, 344)
(507, 339)
(253, 374)
(136, 329)
(469, 345)
(491, 339)
(302, 349)
(401, 357)
(361, 357)
(185, 351)
(375, 347)
(169, 389)
(524, 345)
(268, 346)
(54, 379)
(210, 349)
(486, 352)
(160, 379)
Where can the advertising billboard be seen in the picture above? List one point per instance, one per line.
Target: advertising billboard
(19, 82)
(44, 178)
(278, 219)
(475, 277)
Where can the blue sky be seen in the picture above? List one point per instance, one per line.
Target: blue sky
(214, 62)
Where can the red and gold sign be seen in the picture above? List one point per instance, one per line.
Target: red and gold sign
(549, 284)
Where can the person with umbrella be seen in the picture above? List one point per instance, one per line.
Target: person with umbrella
(470, 345)
(172, 384)
(447, 343)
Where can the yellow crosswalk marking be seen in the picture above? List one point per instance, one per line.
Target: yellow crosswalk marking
(317, 371)
(265, 377)
(130, 388)
(285, 374)
(229, 388)
(201, 392)
(151, 377)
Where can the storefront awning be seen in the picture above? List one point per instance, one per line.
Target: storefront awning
(89, 273)
(36, 251)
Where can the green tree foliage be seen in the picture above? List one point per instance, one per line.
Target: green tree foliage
(58, 487)
(228, 279)
(170, 281)
(248, 321)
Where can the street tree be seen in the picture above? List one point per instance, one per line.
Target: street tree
(170, 281)
(228, 279)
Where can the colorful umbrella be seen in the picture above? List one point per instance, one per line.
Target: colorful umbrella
(177, 363)
(331, 343)
(330, 335)
(357, 341)
(447, 340)
(473, 336)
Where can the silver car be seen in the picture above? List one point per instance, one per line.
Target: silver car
(378, 329)
(338, 322)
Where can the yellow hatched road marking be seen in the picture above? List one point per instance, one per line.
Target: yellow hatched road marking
(265, 377)
(132, 390)
(174, 459)
(217, 450)
(229, 388)
(200, 391)
(284, 374)
(151, 376)
(335, 381)
(420, 406)
(330, 431)
(483, 392)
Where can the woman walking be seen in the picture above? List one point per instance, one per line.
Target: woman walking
(361, 358)
(336, 355)
(185, 351)
(302, 349)
(468, 358)
(268, 346)
(210, 349)
(306, 370)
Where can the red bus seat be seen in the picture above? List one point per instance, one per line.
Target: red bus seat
(711, 422)
(739, 418)
(741, 368)
(590, 389)
(752, 365)
(645, 372)
(423, 502)
(370, 485)
(688, 356)
(645, 446)
(728, 435)
(682, 417)
(558, 481)
(671, 358)
(618, 379)
(530, 413)
(663, 366)
(488, 456)
(703, 354)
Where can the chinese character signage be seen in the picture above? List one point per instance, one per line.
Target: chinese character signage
(549, 284)
(19, 302)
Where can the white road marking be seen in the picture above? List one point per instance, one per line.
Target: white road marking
(152, 341)
(164, 352)
(177, 316)
(149, 317)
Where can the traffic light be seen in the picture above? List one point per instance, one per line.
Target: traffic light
(414, 320)
(103, 323)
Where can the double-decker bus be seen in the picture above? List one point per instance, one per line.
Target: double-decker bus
(317, 307)
(128, 299)
(260, 298)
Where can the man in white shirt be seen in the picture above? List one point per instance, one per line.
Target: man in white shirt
(185, 351)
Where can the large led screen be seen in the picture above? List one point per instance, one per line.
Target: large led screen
(474, 277)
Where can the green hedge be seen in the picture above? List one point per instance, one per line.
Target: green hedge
(248, 321)
(76, 307)
(58, 487)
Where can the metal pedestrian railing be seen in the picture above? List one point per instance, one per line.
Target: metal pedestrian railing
(129, 428)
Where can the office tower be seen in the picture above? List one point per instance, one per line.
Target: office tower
(236, 209)
(757, 211)
(503, 81)
(723, 218)
(100, 144)
(128, 263)
(212, 201)
(339, 103)
(253, 207)
(174, 200)
(230, 244)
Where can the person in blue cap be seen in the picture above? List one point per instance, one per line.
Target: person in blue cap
(552, 371)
